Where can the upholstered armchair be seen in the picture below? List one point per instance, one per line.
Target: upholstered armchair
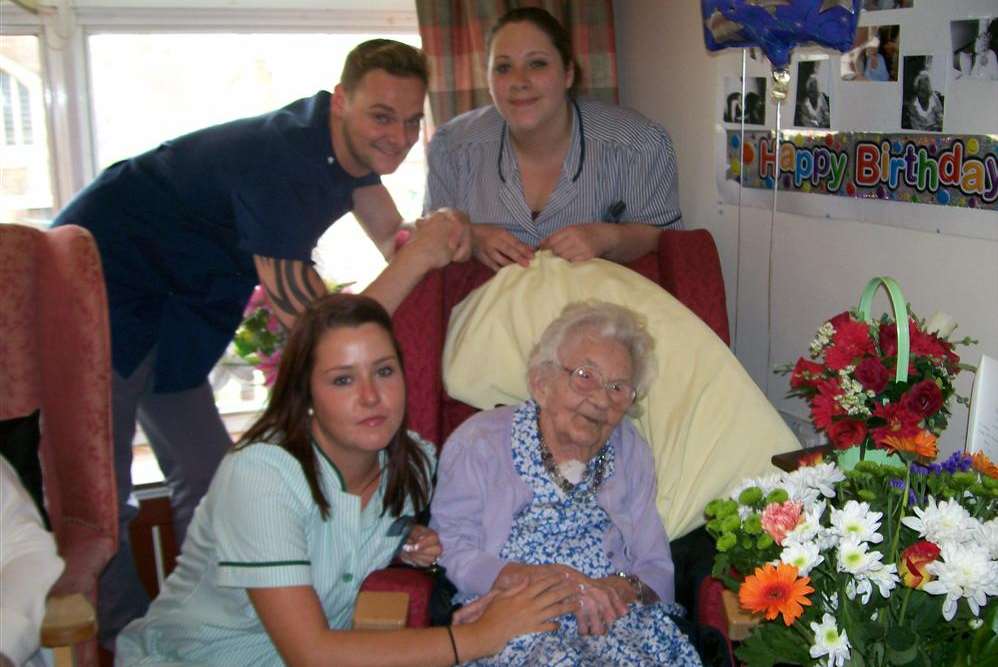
(55, 357)
(686, 264)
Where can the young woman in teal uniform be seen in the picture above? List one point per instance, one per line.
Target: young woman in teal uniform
(304, 508)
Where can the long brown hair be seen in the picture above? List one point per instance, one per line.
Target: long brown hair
(285, 421)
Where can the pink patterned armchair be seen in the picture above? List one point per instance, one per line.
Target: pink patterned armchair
(55, 357)
(686, 265)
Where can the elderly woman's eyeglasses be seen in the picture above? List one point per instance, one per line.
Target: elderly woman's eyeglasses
(586, 380)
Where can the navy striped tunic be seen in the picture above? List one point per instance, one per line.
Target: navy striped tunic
(621, 167)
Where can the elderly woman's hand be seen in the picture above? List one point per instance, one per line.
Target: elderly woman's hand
(601, 601)
(422, 548)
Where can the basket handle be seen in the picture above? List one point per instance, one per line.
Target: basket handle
(900, 318)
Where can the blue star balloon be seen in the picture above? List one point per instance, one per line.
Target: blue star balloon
(777, 26)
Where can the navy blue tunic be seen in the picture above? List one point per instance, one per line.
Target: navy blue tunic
(178, 226)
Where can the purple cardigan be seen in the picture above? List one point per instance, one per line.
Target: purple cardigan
(479, 492)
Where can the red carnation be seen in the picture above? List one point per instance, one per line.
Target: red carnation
(872, 374)
(840, 319)
(851, 340)
(845, 433)
(806, 374)
(888, 336)
(901, 422)
(923, 399)
(924, 344)
(824, 406)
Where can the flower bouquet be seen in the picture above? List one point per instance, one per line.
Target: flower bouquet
(260, 338)
(884, 564)
(880, 384)
(890, 562)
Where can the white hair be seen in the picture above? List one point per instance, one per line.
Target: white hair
(607, 320)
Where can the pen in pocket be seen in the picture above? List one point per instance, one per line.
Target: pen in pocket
(615, 211)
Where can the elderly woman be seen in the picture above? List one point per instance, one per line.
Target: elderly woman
(560, 484)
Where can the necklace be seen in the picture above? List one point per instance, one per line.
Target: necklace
(547, 458)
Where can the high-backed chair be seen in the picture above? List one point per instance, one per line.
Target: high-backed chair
(55, 357)
(686, 264)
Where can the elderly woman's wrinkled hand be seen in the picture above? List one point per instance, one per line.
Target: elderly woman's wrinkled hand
(422, 548)
(600, 605)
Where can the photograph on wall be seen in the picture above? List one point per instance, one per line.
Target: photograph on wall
(874, 55)
(812, 106)
(921, 102)
(875, 5)
(975, 43)
(752, 108)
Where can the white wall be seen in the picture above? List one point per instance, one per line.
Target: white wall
(820, 265)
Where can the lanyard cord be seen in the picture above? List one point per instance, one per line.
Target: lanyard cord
(582, 145)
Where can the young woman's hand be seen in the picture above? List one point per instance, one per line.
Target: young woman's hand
(523, 609)
(422, 548)
(578, 243)
(495, 247)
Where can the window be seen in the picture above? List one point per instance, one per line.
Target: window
(116, 79)
(25, 169)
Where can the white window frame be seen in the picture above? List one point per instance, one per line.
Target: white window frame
(63, 32)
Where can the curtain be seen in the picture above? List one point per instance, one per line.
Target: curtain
(453, 33)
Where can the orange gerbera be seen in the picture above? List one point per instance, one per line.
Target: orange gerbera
(776, 589)
(983, 465)
(921, 444)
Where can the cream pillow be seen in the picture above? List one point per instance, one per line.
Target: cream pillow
(708, 424)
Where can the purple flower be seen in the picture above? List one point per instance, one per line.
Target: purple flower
(899, 485)
(957, 462)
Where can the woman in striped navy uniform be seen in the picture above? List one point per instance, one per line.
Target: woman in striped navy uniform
(541, 169)
(303, 509)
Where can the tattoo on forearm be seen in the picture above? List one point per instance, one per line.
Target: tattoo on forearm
(292, 288)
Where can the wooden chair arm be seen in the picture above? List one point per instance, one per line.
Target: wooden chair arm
(740, 622)
(69, 619)
(380, 610)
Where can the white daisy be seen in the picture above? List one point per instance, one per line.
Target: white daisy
(885, 578)
(940, 523)
(828, 641)
(855, 558)
(856, 519)
(810, 528)
(962, 571)
(805, 556)
(986, 534)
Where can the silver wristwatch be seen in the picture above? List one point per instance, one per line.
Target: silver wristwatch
(644, 594)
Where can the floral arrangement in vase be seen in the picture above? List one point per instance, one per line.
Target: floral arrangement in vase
(859, 397)
(260, 337)
(888, 562)
(884, 564)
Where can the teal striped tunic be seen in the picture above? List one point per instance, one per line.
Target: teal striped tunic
(258, 527)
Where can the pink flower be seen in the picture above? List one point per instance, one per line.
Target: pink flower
(269, 363)
(778, 519)
(258, 299)
(274, 325)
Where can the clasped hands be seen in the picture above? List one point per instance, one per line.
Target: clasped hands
(444, 236)
(422, 548)
(496, 247)
(600, 601)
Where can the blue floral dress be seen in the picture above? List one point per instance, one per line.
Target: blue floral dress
(555, 528)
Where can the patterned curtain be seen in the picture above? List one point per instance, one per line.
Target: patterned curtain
(453, 33)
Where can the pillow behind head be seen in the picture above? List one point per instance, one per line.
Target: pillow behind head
(19, 438)
(708, 424)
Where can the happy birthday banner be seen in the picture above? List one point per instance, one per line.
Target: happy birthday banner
(946, 170)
